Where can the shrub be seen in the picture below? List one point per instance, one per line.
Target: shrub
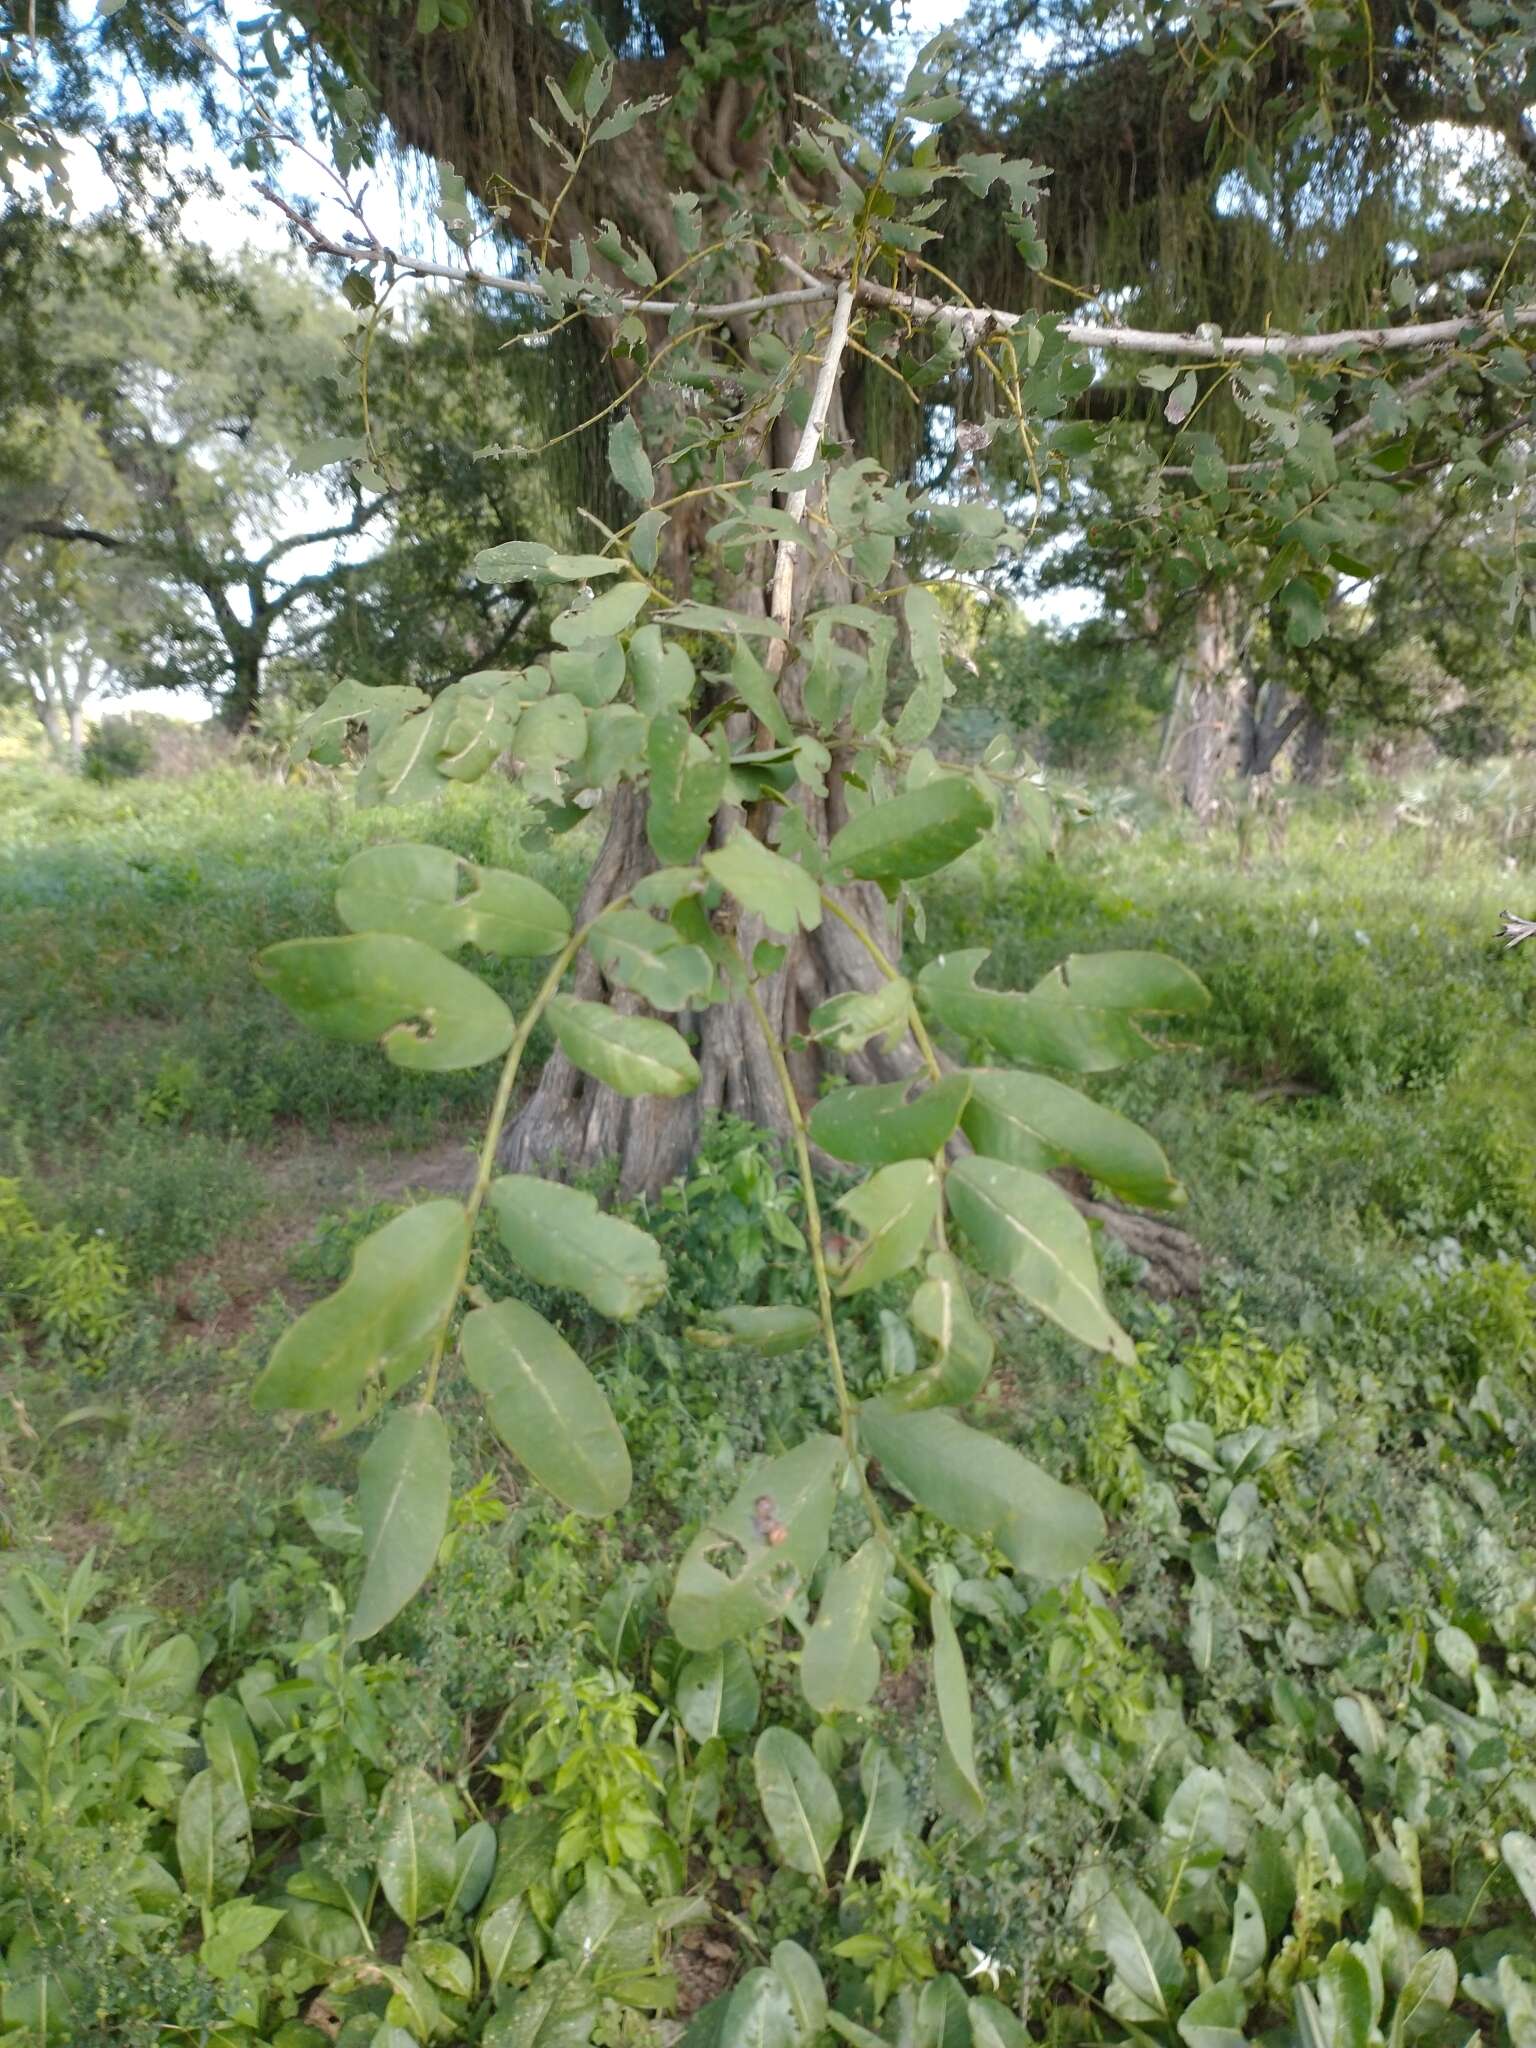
(117, 751)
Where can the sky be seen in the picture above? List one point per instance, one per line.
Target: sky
(237, 218)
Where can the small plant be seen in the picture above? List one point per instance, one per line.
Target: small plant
(72, 1289)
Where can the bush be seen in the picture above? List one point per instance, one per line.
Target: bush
(116, 751)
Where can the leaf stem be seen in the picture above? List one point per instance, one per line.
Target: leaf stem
(877, 953)
(847, 1415)
(499, 1107)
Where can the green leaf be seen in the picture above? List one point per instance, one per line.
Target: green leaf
(685, 791)
(1344, 1999)
(873, 1126)
(883, 1827)
(631, 1055)
(1519, 1853)
(984, 1488)
(1032, 1121)
(320, 735)
(941, 1311)
(1215, 2019)
(237, 1929)
(793, 1494)
(546, 1407)
(849, 1021)
(1082, 1017)
(716, 1693)
(799, 1802)
(474, 1862)
(629, 462)
(213, 1838)
(952, 1688)
(797, 1972)
(511, 1939)
(840, 1665)
(1023, 1229)
(1425, 1999)
(560, 1238)
(922, 710)
(603, 619)
(416, 1867)
(759, 2014)
(994, 2026)
(645, 540)
(593, 674)
(777, 890)
(913, 834)
(660, 672)
(427, 893)
(943, 2015)
(429, 1014)
(378, 1328)
(651, 957)
(1144, 1953)
(550, 735)
(895, 1209)
(230, 1743)
(404, 1488)
(768, 1331)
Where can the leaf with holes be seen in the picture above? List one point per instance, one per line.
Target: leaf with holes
(799, 1802)
(427, 893)
(427, 1013)
(404, 1487)
(1032, 1121)
(546, 1407)
(604, 618)
(914, 834)
(771, 1537)
(631, 1055)
(840, 1665)
(1022, 1229)
(378, 1328)
(874, 1126)
(984, 1488)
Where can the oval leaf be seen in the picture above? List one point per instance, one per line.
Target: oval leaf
(631, 1055)
(984, 1488)
(959, 1785)
(875, 1126)
(1023, 1229)
(404, 1488)
(717, 1693)
(416, 1856)
(799, 1802)
(629, 462)
(428, 1013)
(560, 1238)
(840, 1665)
(419, 892)
(652, 958)
(377, 1329)
(913, 834)
(1032, 1121)
(546, 1407)
(895, 1209)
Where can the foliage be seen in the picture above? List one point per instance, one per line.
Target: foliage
(116, 751)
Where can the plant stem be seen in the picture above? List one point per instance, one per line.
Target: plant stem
(847, 1417)
(492, 1142)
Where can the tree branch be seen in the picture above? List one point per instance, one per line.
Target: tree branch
(359, 520)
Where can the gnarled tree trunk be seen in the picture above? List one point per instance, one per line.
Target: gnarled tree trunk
(1201, 745)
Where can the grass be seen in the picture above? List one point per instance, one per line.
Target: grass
(1356, 1127)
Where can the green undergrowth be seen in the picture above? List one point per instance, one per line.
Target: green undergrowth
(1265, 1772)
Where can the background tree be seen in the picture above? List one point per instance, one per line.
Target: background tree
(60, 621)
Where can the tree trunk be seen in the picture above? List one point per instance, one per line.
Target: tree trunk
(76, 735)
(1265, 728)
(242, 700)
(1312, 747)
(1202, 749)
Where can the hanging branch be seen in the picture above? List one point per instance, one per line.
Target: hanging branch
(781, 603)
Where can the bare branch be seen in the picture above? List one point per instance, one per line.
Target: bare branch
(355, 525)
(781, 603)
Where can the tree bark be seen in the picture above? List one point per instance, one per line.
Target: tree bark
(1311, 749)
(1202, 746)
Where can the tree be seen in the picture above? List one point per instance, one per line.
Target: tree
(59, 622)
(706, 243)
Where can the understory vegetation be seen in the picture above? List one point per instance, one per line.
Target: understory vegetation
(1267, 1765)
